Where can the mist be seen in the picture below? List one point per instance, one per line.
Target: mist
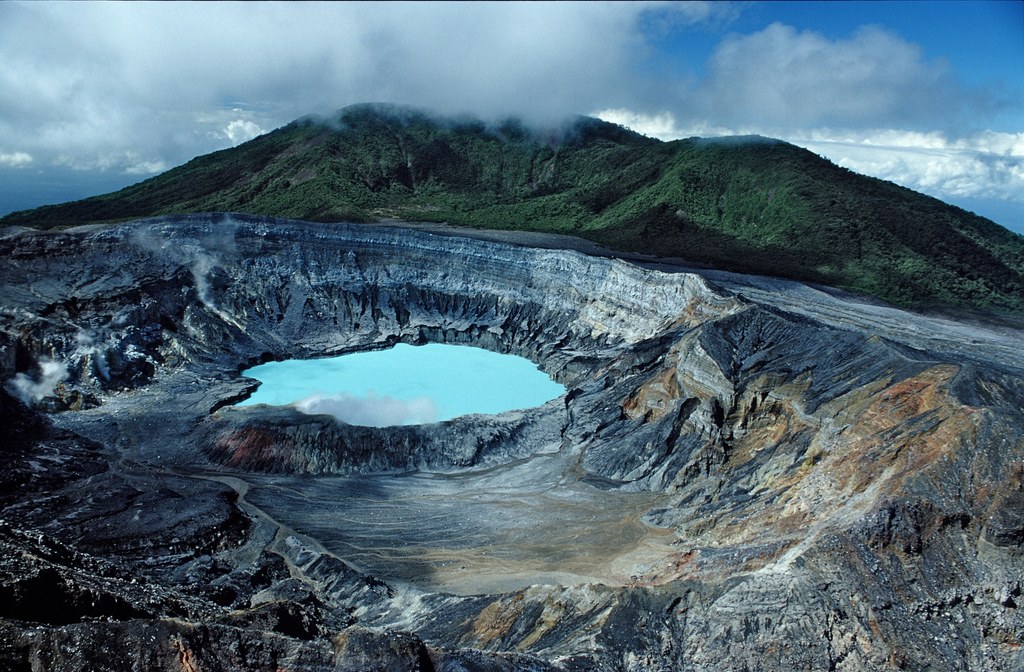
(372, 410)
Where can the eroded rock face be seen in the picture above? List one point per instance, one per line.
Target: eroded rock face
(742, 474)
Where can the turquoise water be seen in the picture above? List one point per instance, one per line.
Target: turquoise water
(404, 385)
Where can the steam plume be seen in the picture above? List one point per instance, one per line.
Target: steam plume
(51, 374)
(372, 410)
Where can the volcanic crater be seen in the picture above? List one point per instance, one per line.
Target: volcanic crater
(741, 469)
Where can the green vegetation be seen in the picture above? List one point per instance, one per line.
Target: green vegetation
(746, 204)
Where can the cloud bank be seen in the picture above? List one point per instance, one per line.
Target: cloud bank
(983, 165)
(15, 159)
(783, 77)
(138, 86)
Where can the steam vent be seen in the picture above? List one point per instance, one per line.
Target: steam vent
(742, 474)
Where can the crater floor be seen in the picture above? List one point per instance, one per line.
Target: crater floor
(493, 531)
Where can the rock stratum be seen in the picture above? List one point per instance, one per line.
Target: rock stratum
(744, 473)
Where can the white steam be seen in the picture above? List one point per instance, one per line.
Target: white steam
(86, 346)
(201, 268)
(33, 389)
(372, 410)
(200, 257)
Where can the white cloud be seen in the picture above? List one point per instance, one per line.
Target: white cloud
(126, 162)
(145, 168)
(371, 410)
(661, 125)
(242, 130)
(984, 165)
(15, 159)
(93, 81)
(781, 76)
(664, 126)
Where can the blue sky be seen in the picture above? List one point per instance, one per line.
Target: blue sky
(95, 96)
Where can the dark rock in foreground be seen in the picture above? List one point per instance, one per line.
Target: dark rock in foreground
(743, 474)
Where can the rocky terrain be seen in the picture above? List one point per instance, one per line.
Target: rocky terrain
(744, 473)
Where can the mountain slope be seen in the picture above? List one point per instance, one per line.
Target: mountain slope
(747, 204)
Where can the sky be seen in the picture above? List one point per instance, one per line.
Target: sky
(98, 95)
